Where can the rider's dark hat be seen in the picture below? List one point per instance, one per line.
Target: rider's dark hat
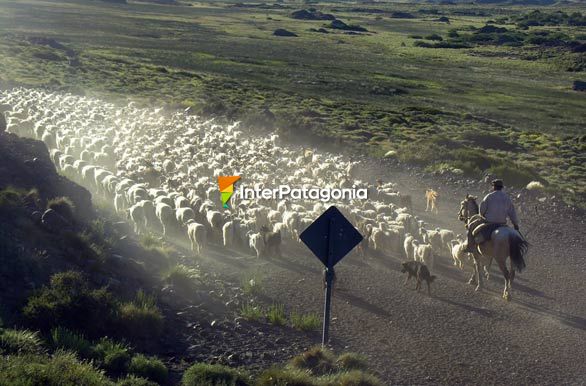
(497, 183)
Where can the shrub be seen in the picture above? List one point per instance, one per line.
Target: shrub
(478, 158)
(62, 369)
(11, 198)
(252, 286)
(352, 361)
(317, 360)
(64, 206)
(434, 37)
(131, 380)
(352, 378)
(182, 277)
(203, 374)
(305, 322)
(513, 174)
(141, 318)
(276, 315)
(284, 377)
(251, 312)
(62, 338)
(69, 302)
(20, 342)
(112, 356)
(149, 368)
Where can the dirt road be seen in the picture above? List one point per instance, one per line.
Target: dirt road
(456, 336)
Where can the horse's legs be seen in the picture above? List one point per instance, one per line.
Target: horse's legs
(477, 265)
(472, 279)
(487, 269)
(505, 271)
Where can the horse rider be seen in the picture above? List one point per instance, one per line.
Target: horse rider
(495, 208)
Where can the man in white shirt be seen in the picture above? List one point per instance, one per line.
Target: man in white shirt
(496, 207)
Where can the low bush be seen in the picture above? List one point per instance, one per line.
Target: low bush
(203, 374)
(182, 277)
(276, 315)
(351, 378)
(141, 318)
(149, 368)
(20, 342)
(251, 312)
(62, 338)
(131, 380)
(11, 198)
(252, 286)
(61, 369)
(69, 302)
(285, 377)
(434, 37)
(514, 174)
(317, 360)
(352, 361)
(112, 356)
(306, 322)
(64, 206)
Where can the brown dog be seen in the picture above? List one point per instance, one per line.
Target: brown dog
(420, 272)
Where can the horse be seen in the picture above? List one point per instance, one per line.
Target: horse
(504, 242)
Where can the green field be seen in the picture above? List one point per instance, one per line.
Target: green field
(505, 107)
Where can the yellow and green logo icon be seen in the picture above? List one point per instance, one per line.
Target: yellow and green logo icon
(226, 184)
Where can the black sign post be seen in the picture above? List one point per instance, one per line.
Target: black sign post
(330, 237)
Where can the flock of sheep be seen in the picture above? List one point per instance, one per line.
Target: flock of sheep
(160, 170)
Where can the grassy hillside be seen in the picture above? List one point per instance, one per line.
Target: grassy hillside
(427, 81)
(84, 301)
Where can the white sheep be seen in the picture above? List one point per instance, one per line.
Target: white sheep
(197, 236)
(423, 253)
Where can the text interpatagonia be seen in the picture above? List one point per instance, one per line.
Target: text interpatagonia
(303, 193)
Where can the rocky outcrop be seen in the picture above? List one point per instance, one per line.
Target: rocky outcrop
(311, 14)
(284, 32)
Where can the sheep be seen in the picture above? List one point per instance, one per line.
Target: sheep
(459, 254)
(137, 215)
(166, 216)
(215, 222)
(423, 253)
(228, 234)
(120, 203)
(256, 243)
(408, 246)
(272, 241)
(185, 153)
(197, 236)
(183, 215)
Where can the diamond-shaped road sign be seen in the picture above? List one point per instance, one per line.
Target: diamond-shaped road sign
(344, 237)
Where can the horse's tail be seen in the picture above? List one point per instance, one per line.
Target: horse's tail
(518, 249)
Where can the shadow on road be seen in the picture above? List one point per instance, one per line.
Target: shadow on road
(361, 303)
(562, 317)
(467, 307)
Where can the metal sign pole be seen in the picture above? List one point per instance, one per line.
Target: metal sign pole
(329, 279)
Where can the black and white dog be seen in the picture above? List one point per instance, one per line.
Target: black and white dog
(420, 272)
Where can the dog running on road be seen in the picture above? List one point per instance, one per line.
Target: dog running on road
(420, 272)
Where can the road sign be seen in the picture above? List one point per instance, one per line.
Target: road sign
(330, 238)
(331, 228)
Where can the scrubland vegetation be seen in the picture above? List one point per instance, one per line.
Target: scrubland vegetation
(425, 77)
(71, 313)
